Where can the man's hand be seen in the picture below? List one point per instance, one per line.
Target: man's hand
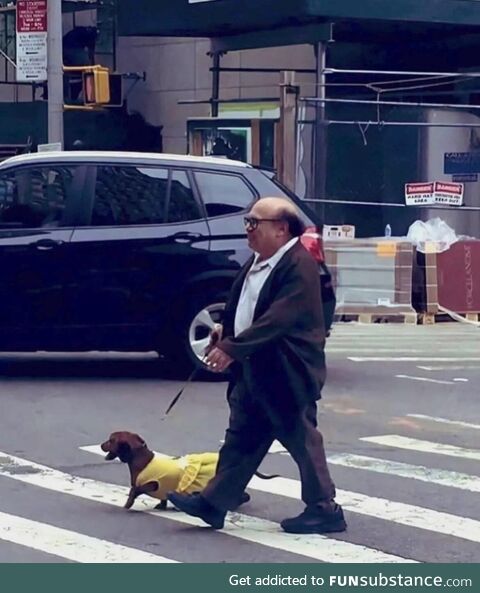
(215, 337)
(218, 361)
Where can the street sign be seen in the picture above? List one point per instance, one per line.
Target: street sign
(31, 40)
(467, 178)
(448, 193)
(458, 163)
(419, 194)
(52, 147)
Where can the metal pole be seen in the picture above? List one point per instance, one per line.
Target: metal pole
(55, 71)
(215, 84)
(320, 152)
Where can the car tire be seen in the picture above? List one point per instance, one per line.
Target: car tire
(196, 326)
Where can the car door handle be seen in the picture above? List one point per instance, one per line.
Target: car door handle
(47, 244)
(186, 237)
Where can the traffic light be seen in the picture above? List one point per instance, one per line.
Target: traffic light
(91, 87)
(96, 86)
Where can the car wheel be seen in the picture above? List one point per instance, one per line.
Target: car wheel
(197, 326)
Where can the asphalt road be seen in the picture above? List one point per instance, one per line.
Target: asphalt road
(400, 416)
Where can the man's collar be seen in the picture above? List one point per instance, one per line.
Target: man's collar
(276, 257)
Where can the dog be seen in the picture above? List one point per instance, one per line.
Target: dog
(156, 475)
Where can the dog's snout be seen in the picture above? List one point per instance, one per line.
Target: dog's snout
(105, 446)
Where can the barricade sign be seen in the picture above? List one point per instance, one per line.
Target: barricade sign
(419, 194)
(438, 192)
(449, 193)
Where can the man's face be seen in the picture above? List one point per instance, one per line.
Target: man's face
(264, 238)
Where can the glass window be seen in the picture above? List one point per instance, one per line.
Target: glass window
(128, 195)
(223, 194)
(34, 197)
(182, 205)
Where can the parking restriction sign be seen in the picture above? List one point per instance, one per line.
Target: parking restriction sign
(31, 40)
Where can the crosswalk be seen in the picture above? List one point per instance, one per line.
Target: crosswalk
(246, 527)
(408, 498)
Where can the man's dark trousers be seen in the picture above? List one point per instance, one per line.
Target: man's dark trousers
(253, 427)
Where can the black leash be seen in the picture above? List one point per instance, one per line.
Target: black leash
(179, 394)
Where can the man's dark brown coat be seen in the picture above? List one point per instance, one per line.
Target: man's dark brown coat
(282, 353)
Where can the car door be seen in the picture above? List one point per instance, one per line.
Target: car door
(36, 224)
(227, 198)
(145, 236)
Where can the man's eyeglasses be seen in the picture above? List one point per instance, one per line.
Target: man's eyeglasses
(252, 222)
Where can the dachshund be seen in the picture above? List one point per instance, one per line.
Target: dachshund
(157, 475)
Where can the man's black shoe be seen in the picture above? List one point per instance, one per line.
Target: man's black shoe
(314, 520)
(196, 506)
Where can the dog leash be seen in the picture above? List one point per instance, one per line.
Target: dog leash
(179, 394)
(213, 341)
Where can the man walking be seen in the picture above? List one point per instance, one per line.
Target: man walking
(273, 341)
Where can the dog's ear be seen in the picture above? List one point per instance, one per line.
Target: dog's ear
(136, 442)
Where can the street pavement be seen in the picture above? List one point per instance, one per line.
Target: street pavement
(401, 419)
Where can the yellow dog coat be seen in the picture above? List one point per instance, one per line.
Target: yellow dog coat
(188, 474)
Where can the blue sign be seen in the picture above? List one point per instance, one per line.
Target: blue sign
(460, 163)
(469, 178)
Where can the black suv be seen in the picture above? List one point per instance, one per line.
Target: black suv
(122, 251)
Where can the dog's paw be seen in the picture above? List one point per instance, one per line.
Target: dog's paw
(162, 505)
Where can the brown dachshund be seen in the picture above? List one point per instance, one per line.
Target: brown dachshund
(157, 475)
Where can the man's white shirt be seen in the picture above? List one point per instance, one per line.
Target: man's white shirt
(253, 284)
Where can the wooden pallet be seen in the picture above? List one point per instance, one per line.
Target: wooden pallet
(408, 318)
(432, 318)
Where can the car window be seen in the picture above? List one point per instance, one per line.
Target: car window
(33, 197)
(129, 195)
(223, 194)
(182, 204)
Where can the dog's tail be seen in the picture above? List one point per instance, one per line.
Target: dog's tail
(267, 476)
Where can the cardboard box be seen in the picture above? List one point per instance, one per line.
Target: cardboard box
(344, 231)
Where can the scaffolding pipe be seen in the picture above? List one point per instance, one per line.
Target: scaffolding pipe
(403, 73)
(395, 103)
(390, 204)
(399, 123)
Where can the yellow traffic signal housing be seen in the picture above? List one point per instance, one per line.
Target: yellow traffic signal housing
(96, 86)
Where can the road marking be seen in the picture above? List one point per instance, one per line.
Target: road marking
(380, 508)
(251, 529)
(445, 421)
(425, 379)
(449, 368)
(409, 359)
(406, 470)
(361, 349)
(69, 544)
(399, 442)
(460, 380)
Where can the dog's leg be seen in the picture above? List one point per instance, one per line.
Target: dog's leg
(161, 506)
(132, 495)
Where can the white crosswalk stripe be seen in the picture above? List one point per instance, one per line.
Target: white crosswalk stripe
(70, 544)
(400, 442)
(406, 470)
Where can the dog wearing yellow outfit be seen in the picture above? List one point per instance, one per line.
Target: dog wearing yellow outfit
(157, 475)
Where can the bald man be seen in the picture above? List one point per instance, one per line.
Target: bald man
(273, 341)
